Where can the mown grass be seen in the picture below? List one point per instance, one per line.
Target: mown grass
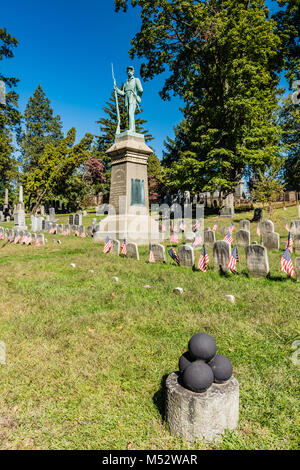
(87, 357)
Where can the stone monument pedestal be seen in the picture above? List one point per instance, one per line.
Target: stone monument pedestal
(204, 415)
(128, 215)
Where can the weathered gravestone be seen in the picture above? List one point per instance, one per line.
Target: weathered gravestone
(271, 240)
(297, 268)
(186, 256)
(227, 211)
(90, 231)
(297, 243)
(41, 238)
(132, 250)
(243, 238)
(295, 227)
(78, 219)
(267, 226)
(60, 228)
(67, 228)
(223, 230)
(189, 237)
(209, 237)
(159, 253)
(71, 219)
(221, 254)
(81, 229)
(257, 260)
(245, 225)
(115, 247)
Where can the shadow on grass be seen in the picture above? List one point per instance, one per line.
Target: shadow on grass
(159, 398)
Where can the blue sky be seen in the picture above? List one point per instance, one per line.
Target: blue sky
(67, 47)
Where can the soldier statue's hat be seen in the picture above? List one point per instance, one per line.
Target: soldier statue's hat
(130, 67)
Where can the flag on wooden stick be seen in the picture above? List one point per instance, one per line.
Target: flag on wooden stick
(286, 264)
(107, 246)
(234, 258)
(123, 247)
(203, 260)
(151, 255)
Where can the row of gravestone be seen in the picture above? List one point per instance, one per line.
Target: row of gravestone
(13, 233)
(256, 256)
(271, 239)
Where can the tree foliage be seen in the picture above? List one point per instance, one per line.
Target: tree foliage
(56, 165)
(220, 56)
(269, 186)
(41, 128)
(290, 123)
(9, 115)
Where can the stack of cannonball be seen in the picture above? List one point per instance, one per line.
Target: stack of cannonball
(200, 366)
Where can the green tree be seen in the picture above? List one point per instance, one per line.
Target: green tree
(290, 123)
(220, 56)
(41, 129)
(269, 186)
(9, 115)
(56, 165)
(287, 26)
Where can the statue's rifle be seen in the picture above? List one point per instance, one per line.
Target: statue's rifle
(117, 103)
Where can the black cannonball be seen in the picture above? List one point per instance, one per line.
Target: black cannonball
(184, 361)
(198, 376)
(202, 346)
(221, 367)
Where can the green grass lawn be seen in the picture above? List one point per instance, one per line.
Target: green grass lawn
(86, 357)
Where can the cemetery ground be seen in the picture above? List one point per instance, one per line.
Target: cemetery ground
(87, 357)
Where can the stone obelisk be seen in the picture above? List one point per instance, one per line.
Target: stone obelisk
(19, 214)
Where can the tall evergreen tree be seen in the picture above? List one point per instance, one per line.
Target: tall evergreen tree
(41, 128)
(9, 115)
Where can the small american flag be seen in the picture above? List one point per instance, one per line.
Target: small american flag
(289, 243)
(174, 238)
(151, 255)
(76, 233)
(174, 256)
(258, 230)
(198, 240)
(37, 242)
(28, 240)
(17, 239)
(82, 234)
(203, 260)
(182, 226)
(231, 227)
(123, 247)
(196, 226)
(234, 258)
(1, 236)
(23, 241)
(286, 264)
(228, 237)
(107, 245)
(215, 226)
